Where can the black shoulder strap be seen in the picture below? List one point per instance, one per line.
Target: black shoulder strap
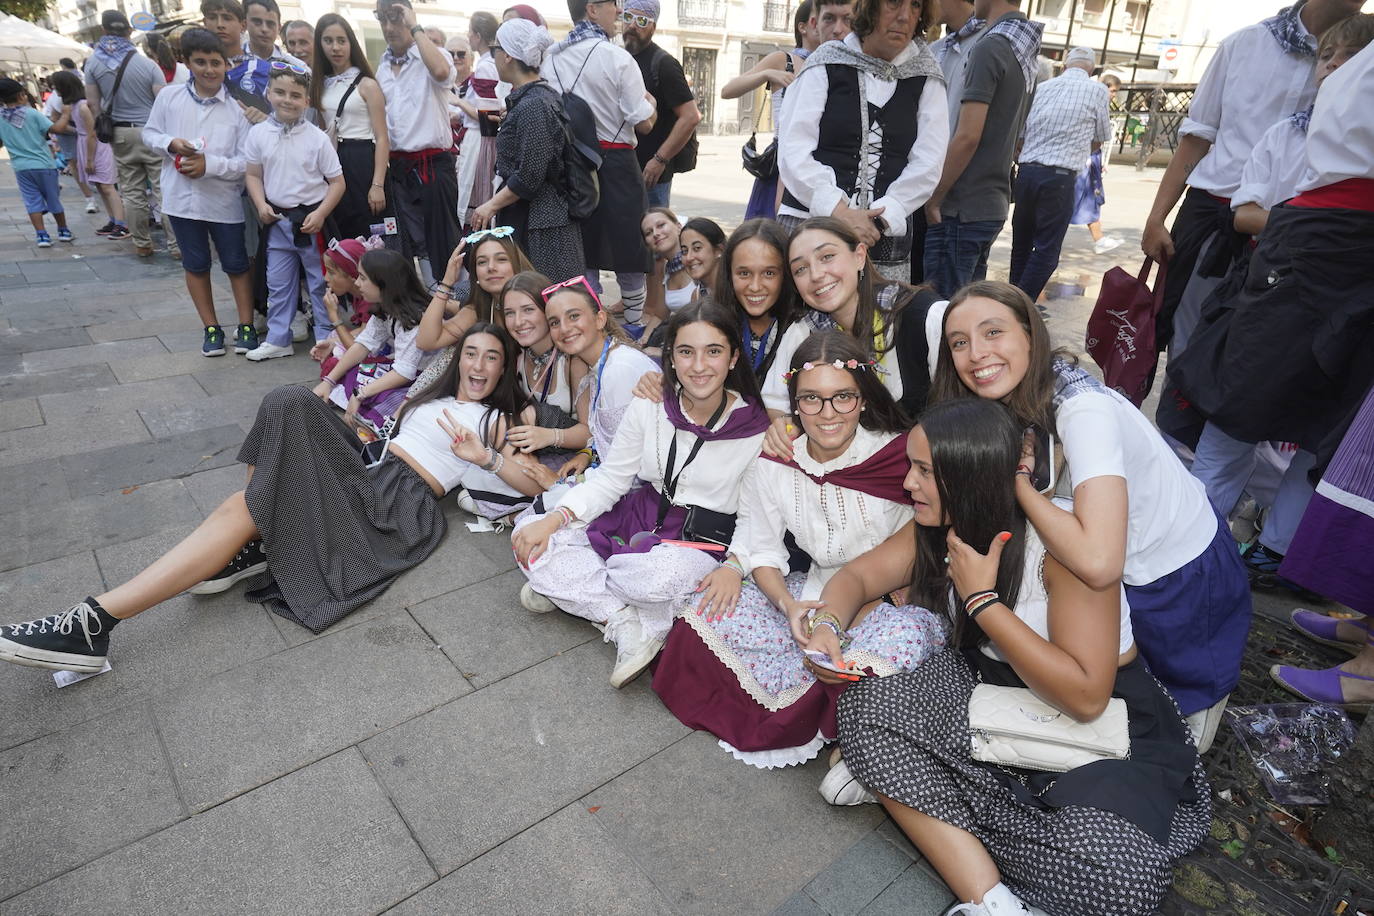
(119, 78)
(349, 91)
(585, 61)
(654, 63)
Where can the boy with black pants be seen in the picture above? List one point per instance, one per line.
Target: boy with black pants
(295, 181)
(200, 131)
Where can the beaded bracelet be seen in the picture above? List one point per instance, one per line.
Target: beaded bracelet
(567, 515)
(973, 614)
(736, 565)
(495, 462)
(558, 438)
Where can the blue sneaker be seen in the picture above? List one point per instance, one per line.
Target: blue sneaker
(214, 341)
(245, 338)
(65, 235)
(43, 240)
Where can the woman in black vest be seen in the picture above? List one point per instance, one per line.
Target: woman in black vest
(864, 139)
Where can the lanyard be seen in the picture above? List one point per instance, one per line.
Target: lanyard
(756, 358)
(670, 482)
(600, 368)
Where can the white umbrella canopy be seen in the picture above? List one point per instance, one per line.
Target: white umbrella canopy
(31, 45)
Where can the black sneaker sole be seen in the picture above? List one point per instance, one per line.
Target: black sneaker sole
(28, 656)
(215, 586)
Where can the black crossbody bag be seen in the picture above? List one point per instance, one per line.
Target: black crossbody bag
(104, 122)
(701, 524)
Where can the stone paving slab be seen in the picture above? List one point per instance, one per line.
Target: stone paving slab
(165, 420)
(321, 840)
(93, 403)
(67, 775)
(57, 438)
(105, 469)
(282, 712)
(563, 864)
(473, 773)
(56, 381)
(14, 341)
(718, 836)
(35, 484)
(131, 328)
(20, 414)
(93, 354)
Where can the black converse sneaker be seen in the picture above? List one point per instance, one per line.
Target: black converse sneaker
(249, 561)
(75, 640)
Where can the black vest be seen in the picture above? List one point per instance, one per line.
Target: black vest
(839, 141)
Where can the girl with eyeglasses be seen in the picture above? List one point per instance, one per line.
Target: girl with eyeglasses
(346, 95)
(613, 549)
(738, 671)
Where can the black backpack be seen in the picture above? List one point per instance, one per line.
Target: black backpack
(686, 158)
(581, 149)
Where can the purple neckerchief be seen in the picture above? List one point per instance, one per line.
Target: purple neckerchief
(749, 420)
(15, 114)
(1289, 31)
(882, 474)
(1303, 119)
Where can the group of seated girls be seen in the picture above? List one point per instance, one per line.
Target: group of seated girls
(806, 565)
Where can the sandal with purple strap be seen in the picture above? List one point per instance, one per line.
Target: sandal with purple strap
(1322, 686)
(1323, 629)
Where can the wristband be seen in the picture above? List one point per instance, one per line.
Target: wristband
(416, 29)
(660, 160)
(973, 614)
(375, 185)
(566, 514)
(976, 597)
(736, 565)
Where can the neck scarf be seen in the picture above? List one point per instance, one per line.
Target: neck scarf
(199, 99)
(1071, 381)
(968, 29)
(391, 57)
(1303, 119)
(584, 30)
(112, 49)
(1024, 37)
(918, 63)
(879, 475)
(346, 76)
(1289, 31)
(285, 128)
(744, 422)
(15, 114)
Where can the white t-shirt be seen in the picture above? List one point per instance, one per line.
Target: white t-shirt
(297, 161)
(1169, 520)
(422, 438)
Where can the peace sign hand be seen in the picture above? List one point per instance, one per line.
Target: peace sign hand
(464, 442)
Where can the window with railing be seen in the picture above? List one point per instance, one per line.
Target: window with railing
(701, 12)
(777, 17)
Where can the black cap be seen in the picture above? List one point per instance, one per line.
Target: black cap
(115, 22)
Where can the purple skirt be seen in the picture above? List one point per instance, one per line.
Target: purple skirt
(1330, 551)
(763, 200)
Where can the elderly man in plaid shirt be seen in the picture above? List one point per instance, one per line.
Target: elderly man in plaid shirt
(1067, 122)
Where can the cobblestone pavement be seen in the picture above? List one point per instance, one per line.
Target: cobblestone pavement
(440, 750)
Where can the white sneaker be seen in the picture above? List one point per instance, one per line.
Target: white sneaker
(839, 787)
(90, 205)
(534, 602)
(299, 330)
(998, 901)
(269, 351)
(465, 502)
(633, 650)
(1106, 244)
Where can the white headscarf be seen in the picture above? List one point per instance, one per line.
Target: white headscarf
(524, 41)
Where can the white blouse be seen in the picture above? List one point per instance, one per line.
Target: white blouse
(422, 438)
(775, 386)
(406, 356)
(713, 480)
(612, 386)
(832, 524)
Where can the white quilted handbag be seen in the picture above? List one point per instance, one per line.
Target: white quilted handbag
(1013, 727)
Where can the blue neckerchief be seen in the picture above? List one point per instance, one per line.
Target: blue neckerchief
(1024, 37)
(1071, 381)
(112, 49)
(584, 30)
(952, 41)
(191, 88)
(285, 128)
(1289, 31)
(1303, 119)
(15, 114)
(756, 357)
(390, 57)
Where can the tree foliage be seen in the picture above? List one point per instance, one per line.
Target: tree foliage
(32, 10)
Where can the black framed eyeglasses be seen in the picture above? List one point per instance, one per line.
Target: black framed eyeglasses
(841, 402)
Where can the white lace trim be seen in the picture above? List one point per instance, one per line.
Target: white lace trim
(778, 757)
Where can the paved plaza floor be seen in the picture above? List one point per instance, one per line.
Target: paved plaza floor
(439, 751)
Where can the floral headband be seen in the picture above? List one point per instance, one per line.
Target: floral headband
(851, 364)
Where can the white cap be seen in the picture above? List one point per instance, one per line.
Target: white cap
(1085, 55)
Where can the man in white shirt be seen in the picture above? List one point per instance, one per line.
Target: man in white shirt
(416, 77)
(1260, 74)
(1067, 122)
(199, 131)
(589, 66)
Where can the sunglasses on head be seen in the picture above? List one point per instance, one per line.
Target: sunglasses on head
(571, 282)
(495, 232)
(636, 19)
(284, 65)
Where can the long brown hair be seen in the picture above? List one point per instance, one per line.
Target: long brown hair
(506, 400)
(1031, 400)
(356, 57)
(483, 302)
(881, 413)
(788, 307)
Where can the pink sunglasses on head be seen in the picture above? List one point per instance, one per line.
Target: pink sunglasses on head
(571, 282)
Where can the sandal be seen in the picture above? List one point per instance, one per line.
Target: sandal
(1321, 628)
(1323, 686)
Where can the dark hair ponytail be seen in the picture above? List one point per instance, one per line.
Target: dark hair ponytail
(403, 298)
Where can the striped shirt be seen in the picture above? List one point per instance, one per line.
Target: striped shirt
(1068, 115)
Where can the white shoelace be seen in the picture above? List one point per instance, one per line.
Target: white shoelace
(63, 623)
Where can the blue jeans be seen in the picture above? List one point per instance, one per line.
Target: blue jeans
(957, 252)
(1044, 206)
(193, 237)
(659, 193)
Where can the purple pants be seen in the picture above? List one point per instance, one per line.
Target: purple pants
(285, 260)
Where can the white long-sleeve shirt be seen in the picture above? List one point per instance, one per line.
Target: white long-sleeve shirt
(1250, 84)
(610, 81)
(832, 524)
(713, 480)
(814, 184)
(179, 113)
(1340, 140)
(1273, 171)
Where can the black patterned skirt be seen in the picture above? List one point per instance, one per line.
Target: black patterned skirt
(336, 532)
